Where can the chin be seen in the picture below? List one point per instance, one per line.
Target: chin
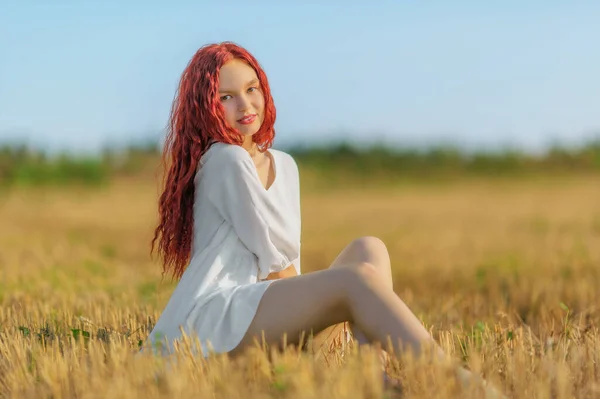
(248, 130)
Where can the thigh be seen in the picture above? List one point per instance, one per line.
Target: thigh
(302, 305)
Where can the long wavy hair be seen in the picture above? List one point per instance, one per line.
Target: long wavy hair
(196, 121)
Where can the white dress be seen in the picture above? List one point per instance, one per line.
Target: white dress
(242, 232)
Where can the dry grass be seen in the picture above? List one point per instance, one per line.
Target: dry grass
(505, 275)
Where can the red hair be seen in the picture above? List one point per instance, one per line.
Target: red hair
(196, 120)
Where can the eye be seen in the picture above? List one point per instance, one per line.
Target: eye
(250, 90)
(223, 98)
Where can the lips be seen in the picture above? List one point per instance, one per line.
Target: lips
(248, 119)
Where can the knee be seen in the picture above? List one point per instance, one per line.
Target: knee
(356, 282)
(371, 244)
(378, 252)
(363, 274)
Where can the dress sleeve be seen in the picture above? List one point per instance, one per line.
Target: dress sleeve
(241, 199)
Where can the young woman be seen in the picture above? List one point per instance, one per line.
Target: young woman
(230, 228)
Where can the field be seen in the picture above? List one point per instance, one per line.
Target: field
(504, 272)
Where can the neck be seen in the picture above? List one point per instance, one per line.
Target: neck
(251, 147)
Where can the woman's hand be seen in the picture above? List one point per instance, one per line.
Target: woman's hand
(290, 271)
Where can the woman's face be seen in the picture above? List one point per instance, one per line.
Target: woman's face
(241, 97)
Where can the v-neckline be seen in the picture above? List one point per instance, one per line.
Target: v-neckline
(273, 166)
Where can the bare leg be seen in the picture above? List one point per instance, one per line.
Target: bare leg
(374, 251)
(317, 300)
(365, 249)
(357, 293)
(370, 250)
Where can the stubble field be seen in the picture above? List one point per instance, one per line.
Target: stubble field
(505, 274)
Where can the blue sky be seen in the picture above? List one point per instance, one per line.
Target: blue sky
(76, 75)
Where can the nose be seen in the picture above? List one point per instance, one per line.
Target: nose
(243, 103)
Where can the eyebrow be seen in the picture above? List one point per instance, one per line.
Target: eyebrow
(253, 81)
